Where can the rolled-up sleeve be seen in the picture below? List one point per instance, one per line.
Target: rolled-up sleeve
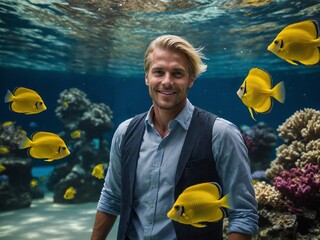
(110, 197)
(233, 166)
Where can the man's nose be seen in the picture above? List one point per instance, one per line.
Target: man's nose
(167, 79)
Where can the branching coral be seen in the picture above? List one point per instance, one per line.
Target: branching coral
(302, 125)
(311, 154)
(268, 195)
(300, 132)
(287, 156)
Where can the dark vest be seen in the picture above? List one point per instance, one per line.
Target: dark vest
(196, 165)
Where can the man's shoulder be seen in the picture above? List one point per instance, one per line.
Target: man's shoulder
(123, 126)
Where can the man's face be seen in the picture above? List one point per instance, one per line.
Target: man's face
(168, 80)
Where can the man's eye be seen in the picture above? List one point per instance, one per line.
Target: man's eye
(158, 72)
(178, 74)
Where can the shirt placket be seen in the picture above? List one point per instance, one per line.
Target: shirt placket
(154, 190)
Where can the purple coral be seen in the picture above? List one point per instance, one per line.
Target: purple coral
(300, 187)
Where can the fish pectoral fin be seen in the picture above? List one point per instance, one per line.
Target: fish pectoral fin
(49, 160)
(251, 113)
(265, 107)
(199, 225)
(291, 62)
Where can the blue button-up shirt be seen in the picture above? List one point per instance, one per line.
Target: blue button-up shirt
(155, 177)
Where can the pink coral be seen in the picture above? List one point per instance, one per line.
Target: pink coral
(300, 187)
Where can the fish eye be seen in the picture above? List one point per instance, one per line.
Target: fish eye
(276, 42)
(241, 88)
(176, 207)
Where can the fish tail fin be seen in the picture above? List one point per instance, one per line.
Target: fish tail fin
(279, 92)
(8, 97)
(225, 201)
(25, 143)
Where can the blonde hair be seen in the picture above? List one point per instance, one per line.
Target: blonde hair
(175, 43)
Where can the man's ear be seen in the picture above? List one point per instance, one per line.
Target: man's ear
(191, 81)
(146, 80)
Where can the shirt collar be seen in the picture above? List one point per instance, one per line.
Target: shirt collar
(184, 117)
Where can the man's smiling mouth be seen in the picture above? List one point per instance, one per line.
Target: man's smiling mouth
(166, 92)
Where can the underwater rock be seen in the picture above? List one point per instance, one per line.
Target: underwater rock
(10, 137)
(277, 225)
(260, 140)
(87, 187)
(88, 148)
(72, 104)
(96, 120)
(15, 191)
(78, 113)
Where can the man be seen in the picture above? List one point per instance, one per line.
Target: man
(156, 155)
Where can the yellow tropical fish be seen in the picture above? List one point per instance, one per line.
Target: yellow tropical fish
(69, 193)
(24, 100)
(4, 150)
(76, 134)
(7, 124)
(256, 91)
(34, 183)
(198, 204)
(65, 104)
(23, 132)
(2, 168)
(45, 145)
(298, 43)
(98, 171)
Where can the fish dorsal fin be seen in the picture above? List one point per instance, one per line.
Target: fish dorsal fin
(210, 187)
(20, 90)
(264, 75)
(310, 26)
(35, 136)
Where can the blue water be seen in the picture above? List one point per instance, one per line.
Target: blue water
(51, 45)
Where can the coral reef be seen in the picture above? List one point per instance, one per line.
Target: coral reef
(260, 140)
(268, 196)
(10, 137)
(88, 148)
(15, 189)
(77, 112)
(295, 174)
(301, 133)
(300, 186)
(302, 125)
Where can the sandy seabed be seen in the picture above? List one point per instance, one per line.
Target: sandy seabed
(46, 220)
